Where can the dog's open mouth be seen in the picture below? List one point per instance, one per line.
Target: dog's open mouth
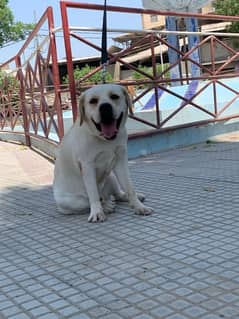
(109, 131)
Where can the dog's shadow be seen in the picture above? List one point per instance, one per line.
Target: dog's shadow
(22, 204)
(26, 203)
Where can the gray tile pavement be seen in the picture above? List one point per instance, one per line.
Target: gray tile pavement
(181, 262)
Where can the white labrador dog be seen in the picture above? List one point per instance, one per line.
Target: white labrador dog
(92, 163)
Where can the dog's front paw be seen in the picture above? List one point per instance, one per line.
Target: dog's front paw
(141, 209)
(96, 213)
(96, 217)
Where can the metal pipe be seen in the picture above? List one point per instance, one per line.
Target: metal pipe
(88, 29)
(202, 16)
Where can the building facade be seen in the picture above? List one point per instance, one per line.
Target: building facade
(158, 22)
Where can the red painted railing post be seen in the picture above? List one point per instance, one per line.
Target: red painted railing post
(22, 101)
(154, 67)
(55, 71)
(70, 72)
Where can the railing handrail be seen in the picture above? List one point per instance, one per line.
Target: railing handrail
(150, 31)
(201, 16)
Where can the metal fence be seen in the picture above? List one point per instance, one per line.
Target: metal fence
(31, 94)
(33, 101)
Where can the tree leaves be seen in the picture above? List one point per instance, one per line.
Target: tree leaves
(228, 8)
(9, 29)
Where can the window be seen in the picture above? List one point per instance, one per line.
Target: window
(153, 18)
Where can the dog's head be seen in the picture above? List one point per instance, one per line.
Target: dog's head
(104, 107)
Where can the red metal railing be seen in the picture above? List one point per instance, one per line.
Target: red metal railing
(33, 102)
(210, 76)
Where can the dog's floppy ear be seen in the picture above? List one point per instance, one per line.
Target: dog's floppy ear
(81, 108)
(128, 100)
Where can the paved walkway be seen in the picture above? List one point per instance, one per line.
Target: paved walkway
(181, 262)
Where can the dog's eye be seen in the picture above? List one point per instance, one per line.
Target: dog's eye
(114, 97)
(94, 100)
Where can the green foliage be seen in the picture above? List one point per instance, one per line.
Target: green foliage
(228, 7)
(9, 93)
(149, 70)
(79, 73)
(8, 83)
(139, 76)
(9, 29)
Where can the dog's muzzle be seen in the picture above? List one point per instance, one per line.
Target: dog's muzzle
(108, 126)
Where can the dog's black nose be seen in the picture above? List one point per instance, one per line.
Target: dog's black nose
(106, 113)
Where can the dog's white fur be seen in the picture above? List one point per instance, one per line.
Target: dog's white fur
(91, 166)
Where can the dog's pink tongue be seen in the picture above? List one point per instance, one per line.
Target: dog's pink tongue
(109, 130)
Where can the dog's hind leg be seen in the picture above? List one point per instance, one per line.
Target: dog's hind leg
(111, 192)
(112, 187)
(141, 196)
(68, 205)
(108, 205)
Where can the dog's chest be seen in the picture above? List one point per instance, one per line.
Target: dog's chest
(105, 162)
